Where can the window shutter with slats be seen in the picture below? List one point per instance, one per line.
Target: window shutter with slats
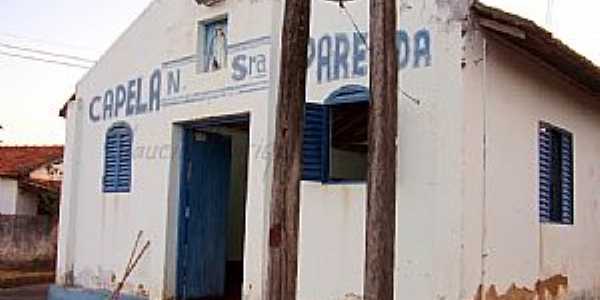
(117, 159)
(556, 175)
(315, 148)
(566, 178)
(545, 165)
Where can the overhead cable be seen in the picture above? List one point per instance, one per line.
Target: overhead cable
(37, 51)
(50, 61)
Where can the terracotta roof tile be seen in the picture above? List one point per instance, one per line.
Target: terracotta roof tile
(17, 161)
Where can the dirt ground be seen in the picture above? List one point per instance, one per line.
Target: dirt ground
(16, 278)
(30, 292)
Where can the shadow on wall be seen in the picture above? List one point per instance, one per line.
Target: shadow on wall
(28, 242)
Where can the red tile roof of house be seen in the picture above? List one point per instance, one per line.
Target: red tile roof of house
(16, 161)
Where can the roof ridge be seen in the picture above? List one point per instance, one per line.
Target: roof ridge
(544, 45)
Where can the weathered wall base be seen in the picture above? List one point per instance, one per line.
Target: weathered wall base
(27, 242)
(61, 293)
(553, 288)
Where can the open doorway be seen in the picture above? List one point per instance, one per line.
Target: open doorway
(212, 214)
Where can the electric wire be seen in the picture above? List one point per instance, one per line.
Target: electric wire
(50, 61)
(45, 42)
(364, 40)
(356, 28)
(37, 51)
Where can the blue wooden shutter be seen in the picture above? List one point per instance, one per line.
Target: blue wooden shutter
(117, 159)
(566, 199)
(545, 165)
(111, 160)
(124, 178)
(315, 148)
(348, 94)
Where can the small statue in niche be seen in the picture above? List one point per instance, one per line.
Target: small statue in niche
(217, 49)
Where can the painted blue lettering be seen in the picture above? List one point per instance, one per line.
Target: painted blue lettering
(109, 100)
(323, 61)
(342, 49)
(239, 67)
(403, 49)
(261, 63)
(251, 63)
(131, 96)
(174, 82)
(155, 83)
(94, 117)
(360, 55)
(140, 107)
(422, 48)
(120, 98)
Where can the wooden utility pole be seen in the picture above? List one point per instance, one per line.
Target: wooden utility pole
(381, 184)
(287, 155)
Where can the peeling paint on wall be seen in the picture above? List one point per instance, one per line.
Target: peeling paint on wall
(27, 242)
(553, 288)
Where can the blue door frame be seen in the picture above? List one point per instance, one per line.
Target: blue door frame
(202, 229)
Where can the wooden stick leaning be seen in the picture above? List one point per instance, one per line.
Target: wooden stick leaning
(131, 264)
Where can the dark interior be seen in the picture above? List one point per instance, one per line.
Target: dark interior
(349, 126)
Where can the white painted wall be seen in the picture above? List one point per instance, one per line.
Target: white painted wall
(511, 93)
(14, 201)
(439, 188)
(98, 232)
(8, 196)
(472, 253)
(67, 227)
(332, 241)
(430, 170)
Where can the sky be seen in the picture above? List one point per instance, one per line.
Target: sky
(575, 22)
(31, 93)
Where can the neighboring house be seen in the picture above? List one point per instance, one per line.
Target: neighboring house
(30, 179)
(171, 133)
